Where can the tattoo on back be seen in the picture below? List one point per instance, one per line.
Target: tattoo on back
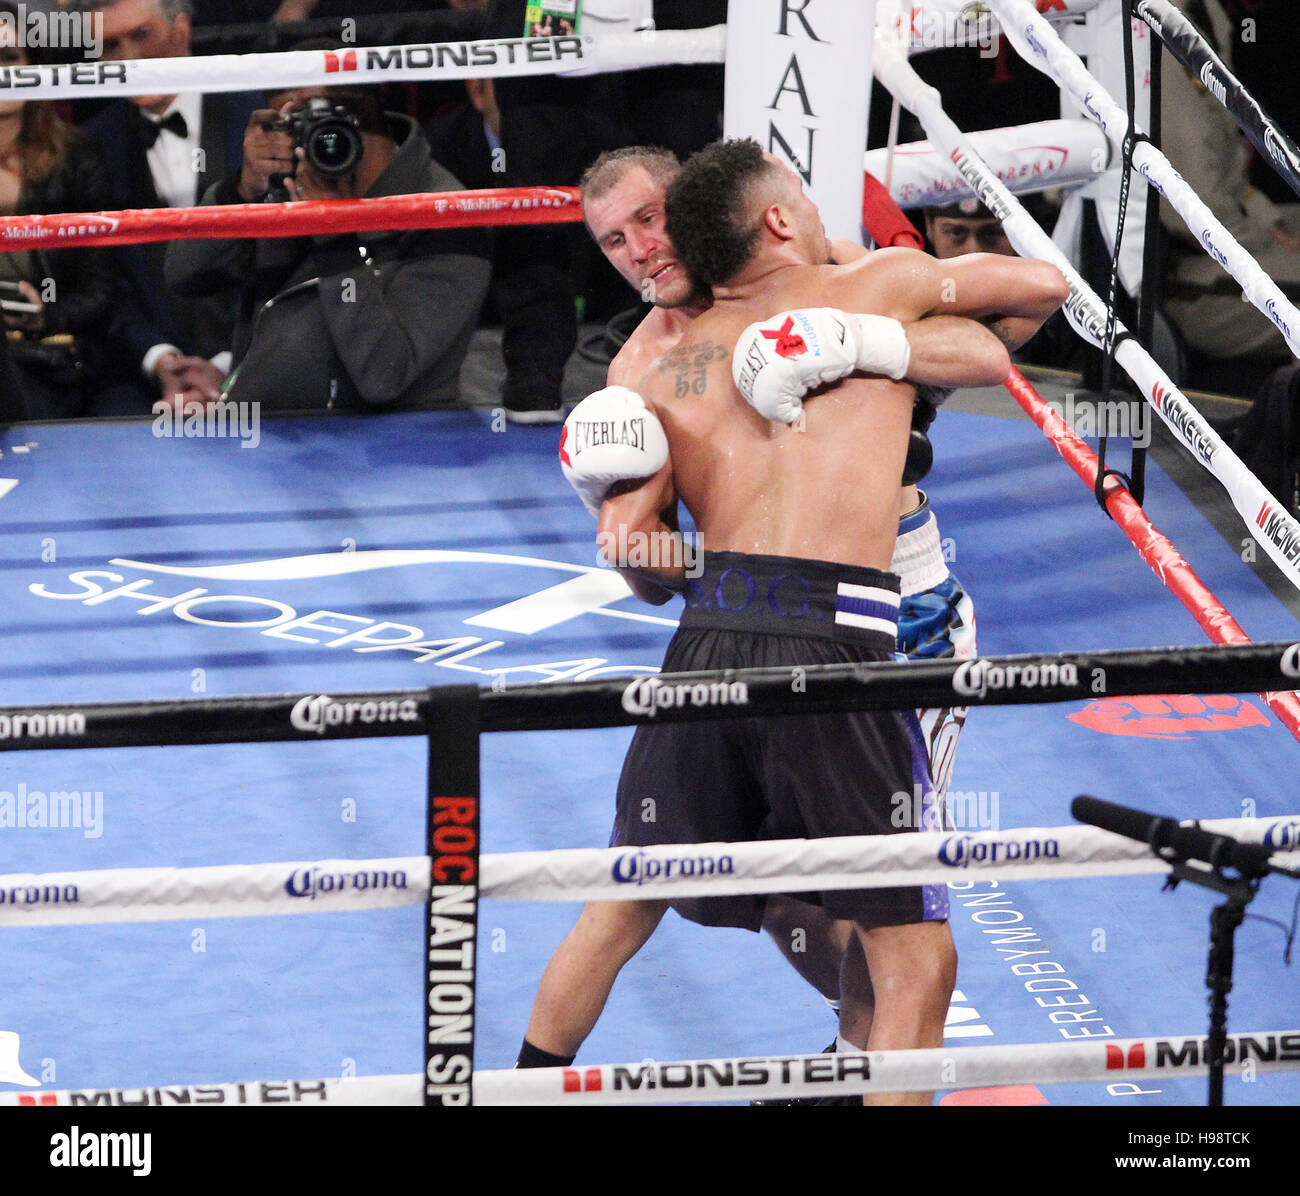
(690, 365)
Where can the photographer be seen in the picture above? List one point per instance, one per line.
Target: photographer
(354, 321)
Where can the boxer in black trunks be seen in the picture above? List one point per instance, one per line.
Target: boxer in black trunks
(797, 518)
(623, 195)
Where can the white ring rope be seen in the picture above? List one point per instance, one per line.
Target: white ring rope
(1265, 516)
(514, 56)
(1035, 38)
(593, 874)
(752, 1078)
(938, 23)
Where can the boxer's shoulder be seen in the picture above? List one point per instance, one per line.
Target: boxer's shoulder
(650, 340)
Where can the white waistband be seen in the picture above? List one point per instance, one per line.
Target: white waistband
(918, 558)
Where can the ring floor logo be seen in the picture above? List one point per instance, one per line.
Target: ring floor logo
(1169, 716)
(11, 1071)
(159, 591)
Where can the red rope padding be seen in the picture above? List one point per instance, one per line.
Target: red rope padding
(881, 217)
(442, 209)
(1153, 546)
(445, 209)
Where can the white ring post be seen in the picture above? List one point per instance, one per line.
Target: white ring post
(799, 83)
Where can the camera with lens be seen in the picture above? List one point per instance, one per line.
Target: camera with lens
(329, 135)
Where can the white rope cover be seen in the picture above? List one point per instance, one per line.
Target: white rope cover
(1266, 518)
(1026, 158)
(588, 874)
(497, 58)
(1040, 45)
(755, 1078)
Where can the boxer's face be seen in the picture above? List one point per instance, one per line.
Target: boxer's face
(628, 224)
(803, 214)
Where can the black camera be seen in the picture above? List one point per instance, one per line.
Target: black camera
(329, 135)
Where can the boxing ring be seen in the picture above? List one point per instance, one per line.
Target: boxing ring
(451, 594)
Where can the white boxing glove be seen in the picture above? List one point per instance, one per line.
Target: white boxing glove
(778, 361)
(611, 436)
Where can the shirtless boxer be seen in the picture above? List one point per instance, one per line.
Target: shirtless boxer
(623, 201)
(624, 207)
(806, 517)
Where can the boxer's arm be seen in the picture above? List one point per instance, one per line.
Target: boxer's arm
(638, 522)
(1012, 296)
(952, 351)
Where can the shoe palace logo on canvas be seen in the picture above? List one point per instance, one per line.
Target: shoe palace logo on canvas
(161, 590)
(11, 1071)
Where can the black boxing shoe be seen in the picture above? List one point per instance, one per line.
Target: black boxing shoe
(812, 1100)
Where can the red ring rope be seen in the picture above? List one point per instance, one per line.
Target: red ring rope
(442, 209)
(892, 227)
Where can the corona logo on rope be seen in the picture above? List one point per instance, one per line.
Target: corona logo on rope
(319, 711)
(1270, 308)
(638, 868)
(1169, 716)
(1213, 84)
(960, 851)
(647, 695)
(974, 678)
(1213, 250)
(1144, 9)
(311, 881)
(1283, 836)
(1277, 150)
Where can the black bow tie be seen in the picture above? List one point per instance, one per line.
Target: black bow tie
(150, 128)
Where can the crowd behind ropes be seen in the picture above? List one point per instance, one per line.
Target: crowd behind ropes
(382, 321)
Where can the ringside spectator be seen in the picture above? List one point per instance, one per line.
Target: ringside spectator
(161, 151)
(354, 321)
(56, 300)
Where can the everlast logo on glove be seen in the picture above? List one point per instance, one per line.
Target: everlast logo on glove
(590, 433)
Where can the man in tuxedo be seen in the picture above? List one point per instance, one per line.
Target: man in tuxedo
(162, 151)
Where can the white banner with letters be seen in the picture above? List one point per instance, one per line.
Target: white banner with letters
(799, 83)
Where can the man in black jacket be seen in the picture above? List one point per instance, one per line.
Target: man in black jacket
(353, 321)
(161, 151)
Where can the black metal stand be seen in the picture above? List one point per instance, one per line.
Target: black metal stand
(1224, 921)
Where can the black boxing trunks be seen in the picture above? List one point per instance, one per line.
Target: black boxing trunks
(803, 776)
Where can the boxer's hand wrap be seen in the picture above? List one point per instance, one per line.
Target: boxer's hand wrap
(611, 436)
(778, 361)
